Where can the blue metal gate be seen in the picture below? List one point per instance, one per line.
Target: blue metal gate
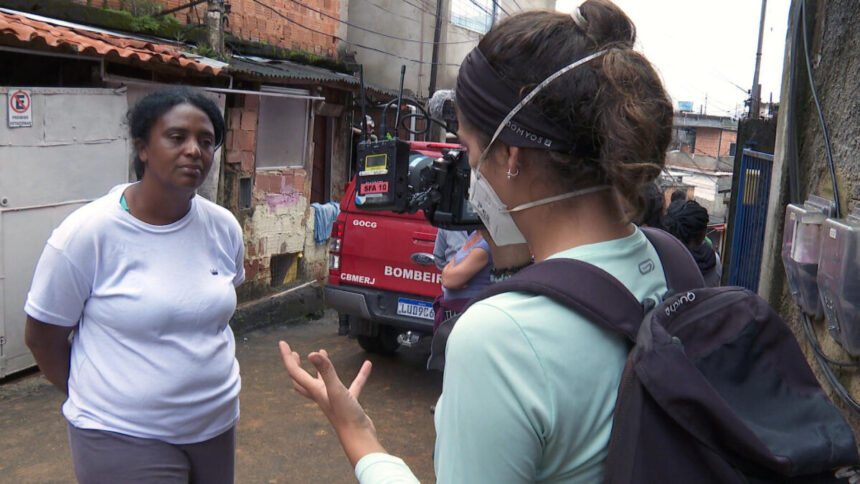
(749, 220)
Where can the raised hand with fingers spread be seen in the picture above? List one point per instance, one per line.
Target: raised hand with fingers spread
(339, 404)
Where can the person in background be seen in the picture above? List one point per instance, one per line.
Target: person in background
(463, 277)
(563, 122)
(688, 221)
(681, 195)
(653, 212)
(129, 308)
(678, 194)
(448, 242)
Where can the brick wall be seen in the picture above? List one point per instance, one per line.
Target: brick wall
(278, 226)
(249, 20)
(709, 139)
(240, 143)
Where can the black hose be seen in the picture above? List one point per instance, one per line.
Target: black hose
(825, 368)
(820, 112)
(410, 102)
(791, 111)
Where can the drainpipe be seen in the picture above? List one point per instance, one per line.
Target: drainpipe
(437, 33)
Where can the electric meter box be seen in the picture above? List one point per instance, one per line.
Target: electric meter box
(801, 247)
(839, 280)
(382, 168)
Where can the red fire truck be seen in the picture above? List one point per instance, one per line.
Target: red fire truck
(382, 276)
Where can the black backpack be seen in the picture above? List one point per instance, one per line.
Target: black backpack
(715, 389)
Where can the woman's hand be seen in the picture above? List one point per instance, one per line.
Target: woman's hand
(51, 349)
(339, 404)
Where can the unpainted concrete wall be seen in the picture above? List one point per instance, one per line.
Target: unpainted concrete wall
(400, 19)
(395, 18)
(456, 50)
(835, 50)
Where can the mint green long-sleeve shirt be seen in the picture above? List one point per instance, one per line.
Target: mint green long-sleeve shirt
(530, 386)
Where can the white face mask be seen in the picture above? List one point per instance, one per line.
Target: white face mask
(487, 204)
(493, 212)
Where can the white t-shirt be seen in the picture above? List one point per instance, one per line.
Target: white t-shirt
(153, 355)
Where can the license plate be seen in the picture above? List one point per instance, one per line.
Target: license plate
(416, 309)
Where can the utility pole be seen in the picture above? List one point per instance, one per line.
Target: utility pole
(755, 92)
(214, 26)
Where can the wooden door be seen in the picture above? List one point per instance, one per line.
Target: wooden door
(319, 180)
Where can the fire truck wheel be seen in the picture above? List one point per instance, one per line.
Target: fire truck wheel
(384, 343)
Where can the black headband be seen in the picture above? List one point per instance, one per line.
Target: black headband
(484, 98)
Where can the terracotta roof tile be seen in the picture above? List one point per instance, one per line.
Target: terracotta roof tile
(96, 43)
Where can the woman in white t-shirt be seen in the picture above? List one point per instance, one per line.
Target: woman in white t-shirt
(129, 307)
(563, 122)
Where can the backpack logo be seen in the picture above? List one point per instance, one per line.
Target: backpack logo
(686, 298)
(646, 266)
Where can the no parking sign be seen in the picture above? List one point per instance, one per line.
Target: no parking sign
(20, 107)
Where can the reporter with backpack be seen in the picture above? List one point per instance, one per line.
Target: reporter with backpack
(563, 122)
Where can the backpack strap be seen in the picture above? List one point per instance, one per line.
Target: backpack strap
(681, 271)
(594, 293)
(580, 286)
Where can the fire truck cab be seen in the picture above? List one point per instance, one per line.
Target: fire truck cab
(382, 275)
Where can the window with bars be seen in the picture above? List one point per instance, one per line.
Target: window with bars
(474, 15)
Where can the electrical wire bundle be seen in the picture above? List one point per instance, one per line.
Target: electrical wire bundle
(402, 123)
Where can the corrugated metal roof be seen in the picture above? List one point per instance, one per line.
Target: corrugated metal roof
(288, 69)
(283, 69)
(26, 28)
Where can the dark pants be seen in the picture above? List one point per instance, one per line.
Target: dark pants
(446, 309)
(107, 457)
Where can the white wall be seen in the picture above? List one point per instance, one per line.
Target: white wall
(76, 150)
(707, 188)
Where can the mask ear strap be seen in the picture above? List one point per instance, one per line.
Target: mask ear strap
(556, 198)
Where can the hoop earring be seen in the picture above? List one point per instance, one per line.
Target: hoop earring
(511, 175)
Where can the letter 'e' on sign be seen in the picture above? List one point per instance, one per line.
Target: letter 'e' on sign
(20, 107)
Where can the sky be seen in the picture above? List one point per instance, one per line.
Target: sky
(707, 48)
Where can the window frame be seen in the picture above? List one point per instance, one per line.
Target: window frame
(308, 127)
(460, 20)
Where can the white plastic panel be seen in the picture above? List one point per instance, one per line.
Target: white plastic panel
(801, 250)
(839, 280)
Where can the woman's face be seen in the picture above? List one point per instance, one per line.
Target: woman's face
(469, 139)
(493, 169)
(178, 153)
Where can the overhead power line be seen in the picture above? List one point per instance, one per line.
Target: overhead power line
(297, 2)
(288, 19)
(380, 7)
(419, 7)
